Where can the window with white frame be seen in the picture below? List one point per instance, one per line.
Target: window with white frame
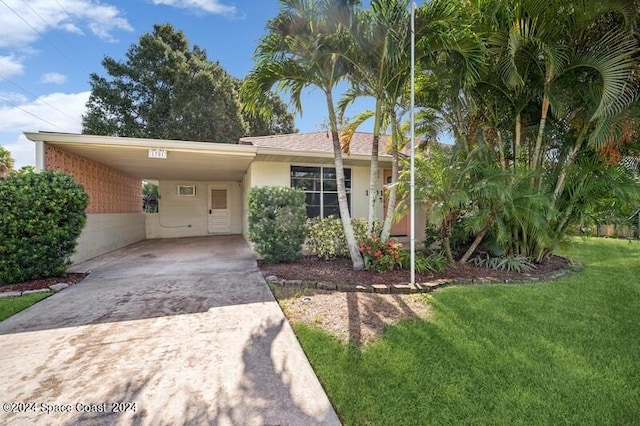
(321, 189)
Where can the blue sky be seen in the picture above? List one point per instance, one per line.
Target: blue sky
(48, 48)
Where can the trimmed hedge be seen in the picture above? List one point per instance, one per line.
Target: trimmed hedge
(41, 218)
(277, 222)
(326, 240)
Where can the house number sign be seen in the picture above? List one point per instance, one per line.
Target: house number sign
(158, 153)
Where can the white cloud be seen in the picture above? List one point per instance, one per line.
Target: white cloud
(207, 6)
(67, 15)
(72, 28)
(10, 66)
(53, 78)
(13, 98)
(39, 115)
(60, 112)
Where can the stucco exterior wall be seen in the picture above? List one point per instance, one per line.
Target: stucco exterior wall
(182, 216)
(264, 173)
(107, 232)
(360, 193)
(270, 173)
(110, 190)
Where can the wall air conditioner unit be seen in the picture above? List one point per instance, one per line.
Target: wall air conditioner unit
(186, 190)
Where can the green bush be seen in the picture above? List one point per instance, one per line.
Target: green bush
(277, 222)
(504, 263)
(435, 262)
(326, 240)
(381, 256)
(41, 218)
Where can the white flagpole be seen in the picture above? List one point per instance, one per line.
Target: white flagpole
(413, 144)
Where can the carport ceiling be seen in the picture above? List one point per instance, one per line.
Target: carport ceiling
(181, 163)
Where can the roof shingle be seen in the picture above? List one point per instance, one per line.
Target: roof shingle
(316, 141)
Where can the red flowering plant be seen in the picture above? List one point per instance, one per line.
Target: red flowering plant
(381, 256)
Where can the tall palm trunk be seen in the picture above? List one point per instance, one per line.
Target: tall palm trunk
(393, 190)
(354, 251)
(516, 141)
(536, 160)
(446, 239)
(374, 176)
(571, 158)
(503, 160)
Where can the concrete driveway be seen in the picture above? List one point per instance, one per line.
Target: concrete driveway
(171, 332)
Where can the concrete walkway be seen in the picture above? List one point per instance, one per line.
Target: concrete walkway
(180, 331)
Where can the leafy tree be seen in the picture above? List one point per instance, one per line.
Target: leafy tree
(167, 90)
(302, 48)
(6, 162)
(150, 197)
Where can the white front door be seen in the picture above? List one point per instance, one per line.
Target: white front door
(219, 214)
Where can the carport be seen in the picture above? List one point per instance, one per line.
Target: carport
(200, 185)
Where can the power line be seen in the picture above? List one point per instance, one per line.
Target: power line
(64, 10)
(35, 96)
(36, 13)
(21, 18)
(32, 114)
(40, 34)
(47, 22)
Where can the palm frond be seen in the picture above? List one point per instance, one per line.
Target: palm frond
(346, 134)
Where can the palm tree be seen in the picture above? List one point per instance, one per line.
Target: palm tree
(562, 72)
(378, 40)
(6, 162)
(302, 48)
(381, 59)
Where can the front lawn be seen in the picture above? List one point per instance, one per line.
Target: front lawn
(566, 352)
(13, 305)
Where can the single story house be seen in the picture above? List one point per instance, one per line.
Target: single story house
(203, 186)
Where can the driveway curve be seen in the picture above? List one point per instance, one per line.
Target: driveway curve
(166, 332)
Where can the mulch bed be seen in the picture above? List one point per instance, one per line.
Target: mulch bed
(41, 283)
(340, 271)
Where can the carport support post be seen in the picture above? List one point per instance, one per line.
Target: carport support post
(39, 156)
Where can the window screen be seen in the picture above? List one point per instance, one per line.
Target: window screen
(219, 199)
(321, 189)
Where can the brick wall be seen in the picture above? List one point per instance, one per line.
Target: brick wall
(110, 190)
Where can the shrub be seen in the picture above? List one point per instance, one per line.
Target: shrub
(277, 222)
(326, 240)
(381, 256)
(150, 197)
(435, 262)
(432, 235)
(505, 263)
(459, 240)
(41, 218)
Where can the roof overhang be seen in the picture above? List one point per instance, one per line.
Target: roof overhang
(185, 160)
(319, 157)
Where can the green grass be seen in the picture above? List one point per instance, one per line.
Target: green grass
(13, 305)
(566, 352)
